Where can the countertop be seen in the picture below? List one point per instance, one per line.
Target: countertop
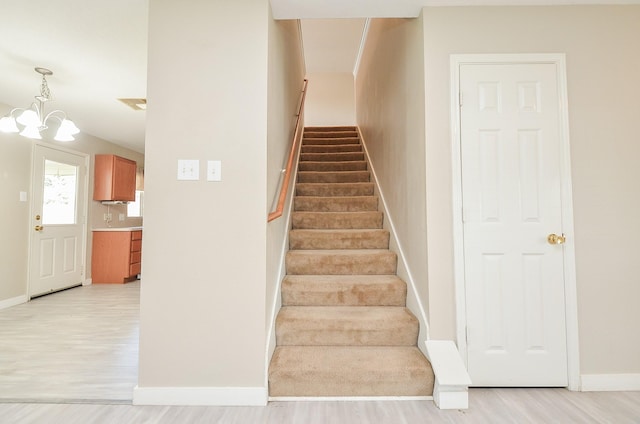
(118, 229)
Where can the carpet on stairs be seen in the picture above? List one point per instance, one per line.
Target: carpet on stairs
(343, 329)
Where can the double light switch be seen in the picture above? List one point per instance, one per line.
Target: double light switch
(189, 170)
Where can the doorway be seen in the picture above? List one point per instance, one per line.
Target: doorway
(58, 220)
(515, 274)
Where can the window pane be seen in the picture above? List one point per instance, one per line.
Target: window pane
(60, 188)
(134, 209)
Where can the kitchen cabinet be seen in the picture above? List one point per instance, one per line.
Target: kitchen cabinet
(116, 255)
(114, 179)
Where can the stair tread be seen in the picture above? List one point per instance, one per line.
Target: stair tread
(336, 220)
(346, 252)
(346, 326)
(345, 279)
(350, 371)
(336, 204)
(317, 128)
(345, 290)
(346, 231)
(334, 176)
(335, 189)
(374, 316)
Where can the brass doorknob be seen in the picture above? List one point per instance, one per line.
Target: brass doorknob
(39, 227)
(556, 239)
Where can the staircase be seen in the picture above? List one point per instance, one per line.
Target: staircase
(343, 329)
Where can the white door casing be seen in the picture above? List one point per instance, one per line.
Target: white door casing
(515, 292)
(58, 220)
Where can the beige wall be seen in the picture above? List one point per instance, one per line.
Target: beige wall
(202, 317)
(603, 65)
(286, 76)
(15, 224)
(330, 99)
(390, 112)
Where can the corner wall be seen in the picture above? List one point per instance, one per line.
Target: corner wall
(603, 64)
(202, 316)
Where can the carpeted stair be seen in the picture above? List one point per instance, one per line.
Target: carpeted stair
(343, 329)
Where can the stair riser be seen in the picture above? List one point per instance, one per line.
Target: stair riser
(330, 134)
(335, 204)
(329, 141)
(343, 294)
(331, 157)
(331, 148)
(331, 129)
(336, 220)
(341, 264)
(333, 166)
(316, 331)
(316, 240)
(334, 177)
(326, 190)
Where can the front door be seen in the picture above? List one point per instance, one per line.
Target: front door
(58, 221)
(511, 197)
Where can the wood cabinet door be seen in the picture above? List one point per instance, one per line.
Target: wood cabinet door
(124, 177)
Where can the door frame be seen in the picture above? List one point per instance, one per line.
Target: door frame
(84, 208)
(571, 301)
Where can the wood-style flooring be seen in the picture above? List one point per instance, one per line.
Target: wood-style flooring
(71, 357)
(78, 344)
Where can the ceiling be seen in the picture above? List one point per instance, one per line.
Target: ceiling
(98, 51)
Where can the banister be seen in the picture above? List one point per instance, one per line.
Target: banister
(287, 175)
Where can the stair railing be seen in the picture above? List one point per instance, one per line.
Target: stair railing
(284, 187)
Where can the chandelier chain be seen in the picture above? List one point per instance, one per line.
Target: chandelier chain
(44, 89)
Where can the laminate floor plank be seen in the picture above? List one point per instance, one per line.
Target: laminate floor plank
(72, 357)
(78, 344)
(495, 406)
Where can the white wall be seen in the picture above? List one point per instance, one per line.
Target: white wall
(391, 116)
(330, 99)
(15, 222)
(603, 64)
(202, 322)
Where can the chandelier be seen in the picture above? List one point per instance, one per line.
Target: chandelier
(34, 120)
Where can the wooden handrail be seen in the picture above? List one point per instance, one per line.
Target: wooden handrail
(284, 188)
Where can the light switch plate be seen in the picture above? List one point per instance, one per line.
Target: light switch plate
(214, 170)
(188, 169)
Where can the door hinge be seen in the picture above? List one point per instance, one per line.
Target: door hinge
(459, 98)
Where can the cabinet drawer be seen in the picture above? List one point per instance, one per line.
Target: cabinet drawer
(134, 269)
(135, 257)
(136, 235)
(136, 245)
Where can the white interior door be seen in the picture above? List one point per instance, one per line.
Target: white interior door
(58, 222)
(511, 196)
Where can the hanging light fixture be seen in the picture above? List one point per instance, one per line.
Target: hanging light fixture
(34, 120)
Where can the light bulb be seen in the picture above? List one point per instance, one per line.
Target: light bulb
(29, 118)
(31, 132)
(8, 125)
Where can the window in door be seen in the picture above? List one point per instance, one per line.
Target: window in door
(60, 192)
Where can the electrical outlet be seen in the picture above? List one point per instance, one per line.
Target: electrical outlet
(107, 217)
(121, 217)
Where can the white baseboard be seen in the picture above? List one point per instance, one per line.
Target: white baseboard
(87, 282)
(610, 382)
(200, 396)
(7, 303)
(346, 398)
